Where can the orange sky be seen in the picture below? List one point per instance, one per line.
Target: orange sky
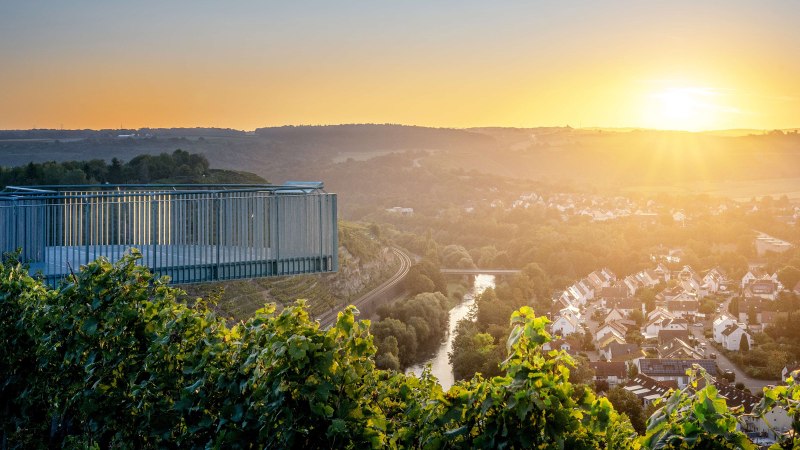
(88, 64)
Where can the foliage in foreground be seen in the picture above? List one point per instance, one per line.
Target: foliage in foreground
(110, 359)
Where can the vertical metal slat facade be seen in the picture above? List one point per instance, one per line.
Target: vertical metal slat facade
(191, 233)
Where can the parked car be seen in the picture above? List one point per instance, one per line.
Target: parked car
(729, 375)
(713, 356)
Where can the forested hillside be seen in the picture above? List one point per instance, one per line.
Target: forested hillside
(401, 164)
(179, 167)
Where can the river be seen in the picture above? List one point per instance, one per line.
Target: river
(440, 362)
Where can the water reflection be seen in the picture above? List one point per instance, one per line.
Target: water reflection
(440, 363)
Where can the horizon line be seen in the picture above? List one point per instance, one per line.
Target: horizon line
(609, 128)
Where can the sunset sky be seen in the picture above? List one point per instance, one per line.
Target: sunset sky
(675, 65)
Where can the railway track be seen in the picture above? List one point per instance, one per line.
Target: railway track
(327, 318)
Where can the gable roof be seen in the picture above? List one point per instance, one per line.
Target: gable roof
(674, 367)
(645, 387)
(735, 397)
(730, 329)
(625, 352)
(614, 292)
(682, 305)
(664, 336)
(624, 303)
(678, 349)
(609, 369)
(569, 318)
(610, 338)
(615, 325)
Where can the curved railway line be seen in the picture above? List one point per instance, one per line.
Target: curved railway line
(327, 318)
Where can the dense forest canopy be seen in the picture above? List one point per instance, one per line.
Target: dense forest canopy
(176, 167)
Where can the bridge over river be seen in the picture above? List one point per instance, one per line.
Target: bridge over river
(481, 271)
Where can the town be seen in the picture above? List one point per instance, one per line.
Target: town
(644, 331)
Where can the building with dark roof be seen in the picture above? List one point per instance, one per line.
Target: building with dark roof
(674, 369)
(613, 373)
(664, 336)
(647, 389)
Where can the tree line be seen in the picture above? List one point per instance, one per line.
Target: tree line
(176, 167)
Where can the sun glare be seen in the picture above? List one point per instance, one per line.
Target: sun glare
(683, 108)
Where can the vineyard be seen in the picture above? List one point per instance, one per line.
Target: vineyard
(112, 359)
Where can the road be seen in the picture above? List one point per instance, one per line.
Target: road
(327, 318)
(754, 385)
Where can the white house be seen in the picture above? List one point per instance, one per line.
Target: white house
(614, 316)
(631, 284)
(564, 325)
(662, 273)
(659, 312)
(732, 337)
(766, 289)
(721, 323)
(757, 274)
(655, 326)
(714, 280)
(610, 327)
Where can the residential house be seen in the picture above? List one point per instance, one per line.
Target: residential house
(757, 273)
(600, 279)
(766, 289)
(570, 311)
(754, 306)
(683, 306)
(659, 312)
(789, 371)
(621, 351)
(662, 273)
(647, 389)
(658, 323)
(614, 315)
(674, 369)
(565, 325)
(714, 281)
(631, 284)
(586, 289)
(606, 328)
(690, 282)
(612, 372)
(568, 345)
(666, 335)
(732, 337)
(720, 324)
(577, 294)
(647, 278)
(769, 318)
(773, 424)
(607, 339)
(668, 294)
(626, 305)
(678, 349)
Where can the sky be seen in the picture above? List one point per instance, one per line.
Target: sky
(691, 65)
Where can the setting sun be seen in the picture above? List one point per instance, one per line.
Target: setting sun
(686, 108)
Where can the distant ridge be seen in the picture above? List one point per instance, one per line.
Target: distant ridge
(375, 136)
